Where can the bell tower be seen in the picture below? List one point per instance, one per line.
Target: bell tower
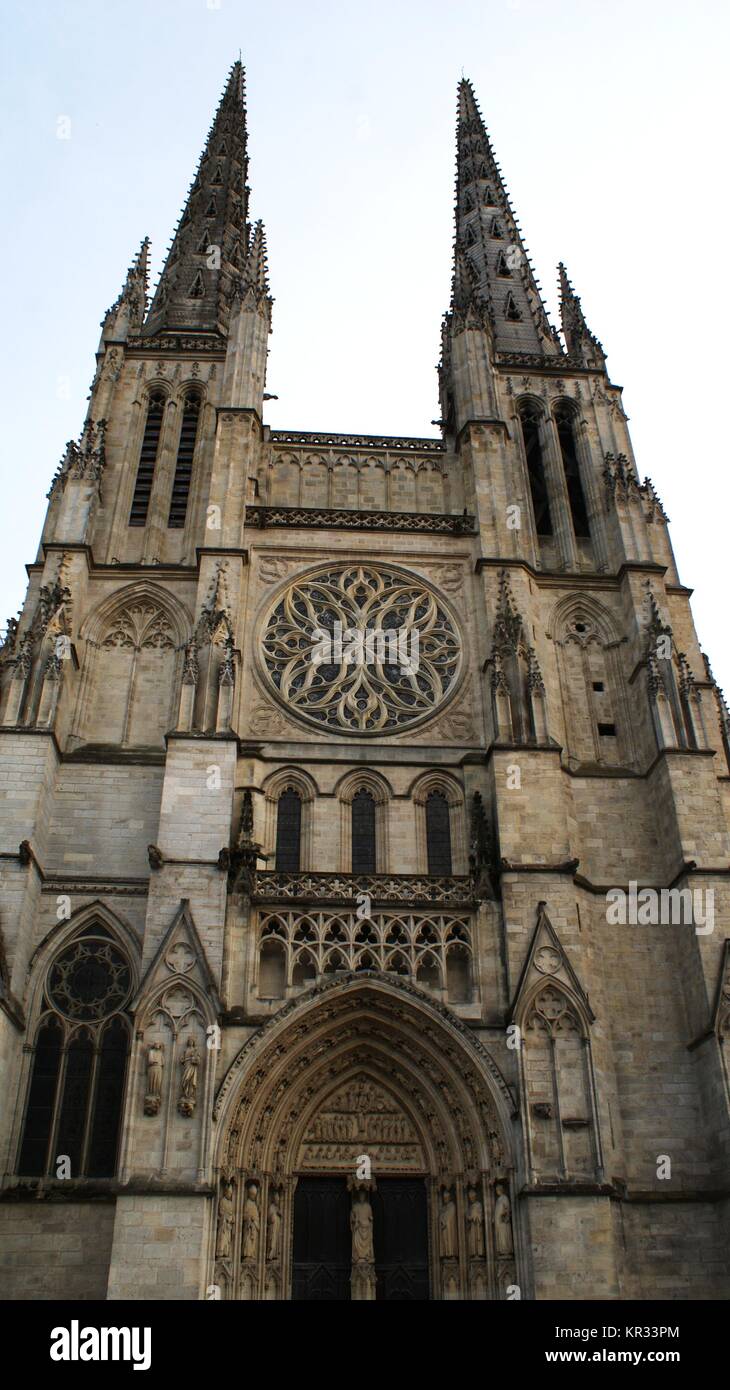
(363, 906)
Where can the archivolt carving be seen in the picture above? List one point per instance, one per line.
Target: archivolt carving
(368, 1038)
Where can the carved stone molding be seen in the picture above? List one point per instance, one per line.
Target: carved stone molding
(273, 886)
(439, 523)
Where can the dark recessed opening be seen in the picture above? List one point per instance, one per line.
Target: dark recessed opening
(607, 730)
(598, 685)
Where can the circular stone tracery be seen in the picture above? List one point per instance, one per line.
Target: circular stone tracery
(89, 980)
(361, 649)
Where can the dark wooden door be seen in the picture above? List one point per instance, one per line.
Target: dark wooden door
(322, 1240)
(400, 1237)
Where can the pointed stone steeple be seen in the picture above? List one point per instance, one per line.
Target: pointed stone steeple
(208, 249)
(579, 340)
(492, 272)
(126, 314)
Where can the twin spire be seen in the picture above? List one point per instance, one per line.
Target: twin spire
(208, 251)
(493, 284)
(216, 257)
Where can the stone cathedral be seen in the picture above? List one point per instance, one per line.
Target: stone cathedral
(328, 763)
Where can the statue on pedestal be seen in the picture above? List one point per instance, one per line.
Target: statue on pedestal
(224, 1235)
(251, 1223)
(189, 1083)
(503, 1221)
(155, 1065)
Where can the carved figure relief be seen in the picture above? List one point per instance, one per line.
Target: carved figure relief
(251, 1223)
(224, 1234)
(503, 1221)
(155, 1067)
(189, 1083)
(448, 1243)
(475, 1225)
(273, 1238)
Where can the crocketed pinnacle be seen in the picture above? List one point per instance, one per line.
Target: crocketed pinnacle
(579, 340)
(127, 312)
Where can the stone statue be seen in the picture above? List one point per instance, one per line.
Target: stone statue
(447, 1226)
(475, 1226)
(155, 1065)
(274, 1234)
(189, 1084)
(251, 1223)
(361, 1225)
(503, 1221)
(224, 1236)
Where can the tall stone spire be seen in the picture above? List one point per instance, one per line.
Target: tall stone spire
(579, 340)
(492, 272)
(208, 248)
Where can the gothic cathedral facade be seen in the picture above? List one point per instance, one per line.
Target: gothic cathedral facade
(336, 771)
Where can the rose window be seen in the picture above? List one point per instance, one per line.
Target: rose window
(89, 980)
(359, 649)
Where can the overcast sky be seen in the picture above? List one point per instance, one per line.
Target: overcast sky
(610, 121)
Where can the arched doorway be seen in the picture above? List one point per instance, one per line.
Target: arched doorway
(363, 1152)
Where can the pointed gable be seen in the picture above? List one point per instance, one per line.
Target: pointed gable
(547, 966)
(179, 964)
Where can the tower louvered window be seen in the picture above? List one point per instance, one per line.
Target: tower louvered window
(530, 422)
(438, 834)
(571, 467)
(147, 460)
(288, 831)
(184, 463)
(74, 1105)
(363, 833)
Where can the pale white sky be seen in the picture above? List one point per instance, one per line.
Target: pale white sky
(610, 121)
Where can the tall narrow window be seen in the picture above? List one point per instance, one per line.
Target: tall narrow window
(530, 421)
(438, 834)
(363, 833)
(147, 460)
(184, 464)
(79, 1064)
(571, 467)
(288, 831)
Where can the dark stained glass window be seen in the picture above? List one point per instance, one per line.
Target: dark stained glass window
(438, 834)
(288, 831)
(363, 833)
(77, 1082)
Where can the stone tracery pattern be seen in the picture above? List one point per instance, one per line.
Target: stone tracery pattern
(412, 945)
(369, 696)
(89, 980)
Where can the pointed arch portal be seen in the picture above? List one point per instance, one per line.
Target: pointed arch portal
(362, 1085)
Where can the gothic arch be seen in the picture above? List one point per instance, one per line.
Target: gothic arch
(382, 793)
(304, 785)
(363, 1064)
(596, 713)
(128, 689)
(62, 933)
(577, 607)
(82, 1025)
(421, 788)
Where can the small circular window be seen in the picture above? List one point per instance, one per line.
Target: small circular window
(89, 980)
